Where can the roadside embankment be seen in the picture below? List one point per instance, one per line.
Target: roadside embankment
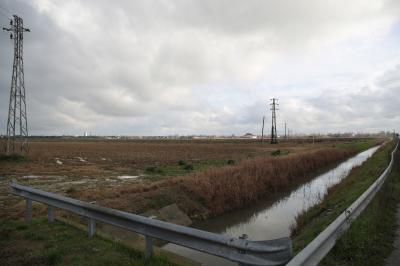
(43, 243)
(369, 238)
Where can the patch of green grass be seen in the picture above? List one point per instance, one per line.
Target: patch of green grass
(276, 153)
(154, 170)
(339, 197)
(61, 244)
(18, 158)
(358, 145)
(188, 167)
(370, 238)
(181, 168)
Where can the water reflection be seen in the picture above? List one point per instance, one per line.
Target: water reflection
(271, 218)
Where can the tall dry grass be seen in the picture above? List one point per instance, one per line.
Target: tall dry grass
(220, 189)
(231, 187)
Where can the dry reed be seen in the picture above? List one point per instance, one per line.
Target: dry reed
(220, 189)
(231, 187)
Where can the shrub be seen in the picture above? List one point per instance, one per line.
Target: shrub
(231, 162)
(276, 153)
(181, 162)
(13, 158)
(188, 167)
(154, 170)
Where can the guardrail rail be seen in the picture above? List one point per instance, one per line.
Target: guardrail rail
(317, 249)
(245, 252)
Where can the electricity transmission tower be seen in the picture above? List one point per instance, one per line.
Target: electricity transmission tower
(274, 136)
(17, 107)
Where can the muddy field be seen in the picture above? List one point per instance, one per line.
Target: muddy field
(112, 158)
(69, 166)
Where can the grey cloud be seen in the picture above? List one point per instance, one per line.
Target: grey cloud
(96, 65)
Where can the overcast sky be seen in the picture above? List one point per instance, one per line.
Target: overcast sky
(205, 67)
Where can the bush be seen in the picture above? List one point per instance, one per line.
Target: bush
(180, 162)
(276, 153)
(188, 167)
(154, 170)
(13, 158)
(231, 162)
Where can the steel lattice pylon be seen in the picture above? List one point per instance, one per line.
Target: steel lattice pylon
(17, 108)
(274, 135)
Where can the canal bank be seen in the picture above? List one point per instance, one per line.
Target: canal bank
(273, 218)
(370, 238)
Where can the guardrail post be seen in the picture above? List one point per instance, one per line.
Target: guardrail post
(149, 247)
(50, 214)
(28, 214)
(255, 252)
(244, 236)
(91, 227)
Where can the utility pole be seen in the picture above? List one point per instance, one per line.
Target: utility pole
(17, 106)
(285, 131)
(274, 137)
(262, 130)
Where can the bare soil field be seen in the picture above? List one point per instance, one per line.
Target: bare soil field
(141, 175)
(112, 157)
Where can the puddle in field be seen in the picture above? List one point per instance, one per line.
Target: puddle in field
(271, 219)
(122, 177)
(30, 176)
(78, 182)
(81, 159)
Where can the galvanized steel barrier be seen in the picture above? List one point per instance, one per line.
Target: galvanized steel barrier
(241, 250)
(314, 252)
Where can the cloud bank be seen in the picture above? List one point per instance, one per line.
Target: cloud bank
(206, 67)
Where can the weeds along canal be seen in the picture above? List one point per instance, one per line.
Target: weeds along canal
(273, 218)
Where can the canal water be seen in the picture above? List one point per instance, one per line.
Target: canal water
(273, 218)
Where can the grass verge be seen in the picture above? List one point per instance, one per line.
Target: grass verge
(42, 243)
(370, 238)
(339, 197)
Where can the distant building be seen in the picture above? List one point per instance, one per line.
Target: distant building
(249, 136)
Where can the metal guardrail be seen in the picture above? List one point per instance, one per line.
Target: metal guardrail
(315, 251)
(241, 250)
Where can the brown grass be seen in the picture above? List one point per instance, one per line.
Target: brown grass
(231, 187)
(111, 157)
(221, 189)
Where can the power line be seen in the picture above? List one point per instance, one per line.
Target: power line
(5, 13)
(6, 10)
(2, 13)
